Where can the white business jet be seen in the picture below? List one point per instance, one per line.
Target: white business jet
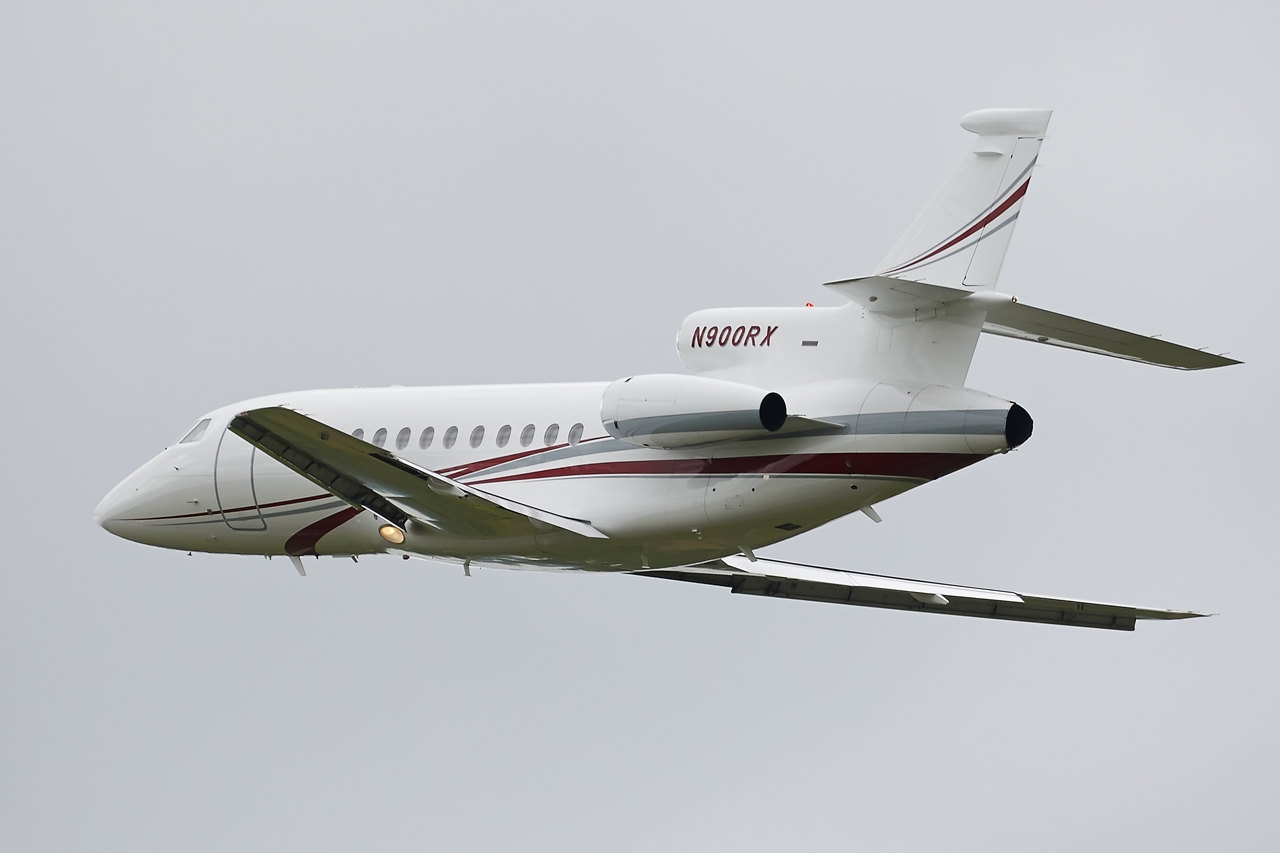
(787, 419)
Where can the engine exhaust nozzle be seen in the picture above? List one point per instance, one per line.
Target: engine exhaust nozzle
(1017, 426)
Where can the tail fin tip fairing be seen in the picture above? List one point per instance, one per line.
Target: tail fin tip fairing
(960, 238)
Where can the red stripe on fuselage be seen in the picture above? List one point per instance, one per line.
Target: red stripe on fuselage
(458, 471)
(303, 543)
(925, 466)
(472, 467)
(206, 513)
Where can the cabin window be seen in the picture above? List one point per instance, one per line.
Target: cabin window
(504, 435)
(402, 438)
(197, 432)
(575, 434)
(477, 436)
(526, 435)
(380, 437)
(428, 435)
(450, 437)
(358, 435)
(553, 432)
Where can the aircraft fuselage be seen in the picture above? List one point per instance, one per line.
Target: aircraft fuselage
(545, 445)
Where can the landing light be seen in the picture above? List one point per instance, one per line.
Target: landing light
(391, 533)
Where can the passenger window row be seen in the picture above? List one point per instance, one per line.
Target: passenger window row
(450, 438)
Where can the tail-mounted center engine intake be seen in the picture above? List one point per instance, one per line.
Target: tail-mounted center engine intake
(670, 410)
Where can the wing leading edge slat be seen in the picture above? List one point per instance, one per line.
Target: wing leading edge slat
(778, 579)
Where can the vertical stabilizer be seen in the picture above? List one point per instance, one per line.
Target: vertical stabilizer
(960, 237)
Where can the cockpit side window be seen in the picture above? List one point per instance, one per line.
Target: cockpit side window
(197, 432)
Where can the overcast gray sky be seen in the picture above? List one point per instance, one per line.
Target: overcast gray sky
(203, 204)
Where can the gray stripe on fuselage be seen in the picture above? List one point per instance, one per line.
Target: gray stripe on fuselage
(945, 422)
(942, 422)
(952, 422)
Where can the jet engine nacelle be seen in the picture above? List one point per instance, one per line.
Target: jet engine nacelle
(671, 410)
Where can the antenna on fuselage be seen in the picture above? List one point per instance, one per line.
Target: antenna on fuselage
(297, 564)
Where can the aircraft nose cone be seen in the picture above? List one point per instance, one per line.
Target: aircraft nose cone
(117, 505)
(159, 504)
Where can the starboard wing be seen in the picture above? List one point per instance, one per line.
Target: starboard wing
(780, 579)
(375, 479)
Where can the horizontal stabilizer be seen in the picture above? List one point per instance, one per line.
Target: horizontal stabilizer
(895, 301)
(1016, 320)
(779, 579)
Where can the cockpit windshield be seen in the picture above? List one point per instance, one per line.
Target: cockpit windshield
(197, 432)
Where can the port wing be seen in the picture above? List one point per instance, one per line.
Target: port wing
(779, 579)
